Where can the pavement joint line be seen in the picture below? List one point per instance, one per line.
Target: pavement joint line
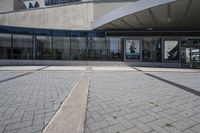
(188, 89)
(175, 84)
(21, 75)
(70, 117)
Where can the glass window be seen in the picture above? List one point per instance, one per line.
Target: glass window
(5, 46)
(22, 47)
(113, 49)
(61, 48)
(133, 49)
(78, 48)
(171, 48)
(151, 49)
(97, 49)
(43, 48)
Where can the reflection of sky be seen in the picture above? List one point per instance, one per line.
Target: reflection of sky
(114, 44)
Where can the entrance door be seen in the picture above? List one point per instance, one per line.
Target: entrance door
(191, 57)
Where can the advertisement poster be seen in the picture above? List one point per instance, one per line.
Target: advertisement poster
(133, 49)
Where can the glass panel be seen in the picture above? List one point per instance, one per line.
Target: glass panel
(195, 54)
(186, 56)
(61, 48)
(78, 48)
(5, 46)
(113, 49)
(151, 49)
(133, 49)
(22, 46)
(97, 49)
(43, 47)
(171, 48)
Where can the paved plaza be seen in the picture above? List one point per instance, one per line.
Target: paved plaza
(120, 99)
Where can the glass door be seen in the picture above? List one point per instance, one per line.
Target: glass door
(195, 52)
(190, 57)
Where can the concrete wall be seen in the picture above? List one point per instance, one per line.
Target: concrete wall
(11, 5)
(18, 5)
(6, 5)
(75, 17)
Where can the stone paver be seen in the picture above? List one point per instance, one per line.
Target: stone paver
(132, 102)
(120, 100)
(28, 103)
(9, 74)
(191, 80)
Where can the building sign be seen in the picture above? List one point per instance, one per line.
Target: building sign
(192, 42)
(55, 2)
(133, 49)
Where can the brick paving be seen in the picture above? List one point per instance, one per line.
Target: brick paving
(191, 80)
(132, 102)
(120, 100)
(28, 103)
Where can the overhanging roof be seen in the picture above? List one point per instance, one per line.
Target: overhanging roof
(153, 15)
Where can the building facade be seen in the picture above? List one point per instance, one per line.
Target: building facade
(140, 32)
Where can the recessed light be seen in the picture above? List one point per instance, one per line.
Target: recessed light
(149, 28)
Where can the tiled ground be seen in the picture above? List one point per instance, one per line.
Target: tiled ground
(132, 102)
(191, 80)
(27, 103)
(121, 99)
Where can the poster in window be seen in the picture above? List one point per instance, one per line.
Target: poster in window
(171, 50)
(133, 49)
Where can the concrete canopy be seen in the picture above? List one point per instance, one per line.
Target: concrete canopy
(164, 15)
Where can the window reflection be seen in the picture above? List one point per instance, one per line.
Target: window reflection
(61, 48)
(151, 49)
(22, 47)
(78, 48)
(97, 49)
(5, 46)
(43, 47)
(113, 49)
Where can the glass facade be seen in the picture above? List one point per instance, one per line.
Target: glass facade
(61, 48)
(22, 47)
(5, 46)
(44, 44)
(55, 2)
(78, 48)
(44, 48)
(190, 52)
(97, 48)
(113, 49)
(151, 51)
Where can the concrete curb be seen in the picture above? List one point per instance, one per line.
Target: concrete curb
(70, 118)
